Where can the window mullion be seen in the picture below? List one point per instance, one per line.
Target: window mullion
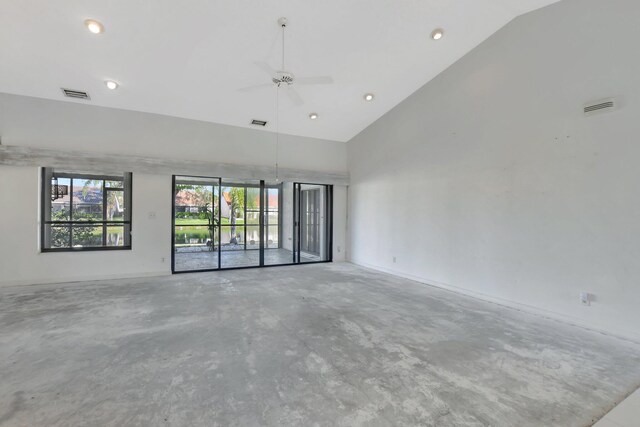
(104, 212)
(71, 213)
(78, 228)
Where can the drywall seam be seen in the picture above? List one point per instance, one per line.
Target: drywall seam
(70, 159)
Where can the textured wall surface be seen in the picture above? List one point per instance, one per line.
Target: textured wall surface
(491, 181)
(156, 147)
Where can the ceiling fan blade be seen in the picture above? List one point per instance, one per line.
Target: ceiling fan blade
(294, 96)
(265, 67)
(318, 80)
(254, 87)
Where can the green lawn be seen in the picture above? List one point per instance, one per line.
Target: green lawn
(190, 221)
(97, 230)
(179, 222)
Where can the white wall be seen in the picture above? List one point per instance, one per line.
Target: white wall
(49, 124)
(287, 215)
(340, 201)
(21, 262)
(34, 122)
(490, 181)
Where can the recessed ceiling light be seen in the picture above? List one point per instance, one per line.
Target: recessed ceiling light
(369, 97)
(313, 116)
(111, 84)
(94, 26)
(437, 34)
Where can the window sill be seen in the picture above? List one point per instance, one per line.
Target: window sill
(93, 249)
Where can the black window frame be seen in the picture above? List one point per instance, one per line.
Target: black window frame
(263, 186)
(47, 174)
(297, 218)
(258, 211)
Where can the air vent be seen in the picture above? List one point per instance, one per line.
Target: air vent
(75, 94)
(258, 122)
(598, 107)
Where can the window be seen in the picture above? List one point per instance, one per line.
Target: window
(272, 218)
(84, 211)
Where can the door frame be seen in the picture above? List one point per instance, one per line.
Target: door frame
(310, 198)
(264, 211)
(297, 228)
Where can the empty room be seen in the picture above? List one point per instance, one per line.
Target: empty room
(336, 213)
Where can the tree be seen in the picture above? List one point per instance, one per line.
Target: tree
(236, 207)
(241, 199)
(204, 198)
(212, 221)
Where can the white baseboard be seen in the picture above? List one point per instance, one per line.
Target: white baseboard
(625, 335)
(47, 281)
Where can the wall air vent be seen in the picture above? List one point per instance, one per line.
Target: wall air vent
(598, 107)
(78, 94)
(258, 122)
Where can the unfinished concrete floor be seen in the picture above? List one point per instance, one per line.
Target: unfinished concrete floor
(327, 344)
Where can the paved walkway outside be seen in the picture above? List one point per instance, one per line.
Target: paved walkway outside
(186, 261)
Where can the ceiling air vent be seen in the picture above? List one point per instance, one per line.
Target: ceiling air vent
(75, 94)
(258, 122)
(602, 106)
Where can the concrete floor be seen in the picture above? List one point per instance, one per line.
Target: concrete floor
(203, 260)
(323, 344)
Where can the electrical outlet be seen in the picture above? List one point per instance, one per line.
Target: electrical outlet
(585, 298)
(394, 260)
(152, 215)
(162, 259)
(339, 249)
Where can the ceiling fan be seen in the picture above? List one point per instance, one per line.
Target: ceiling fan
(284, 78)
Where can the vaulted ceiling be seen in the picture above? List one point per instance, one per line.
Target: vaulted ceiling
(189, 58)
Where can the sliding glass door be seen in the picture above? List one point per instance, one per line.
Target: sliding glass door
(196, 235)
(278, 249)
(312, 222)
(225, 224)
(240, 224)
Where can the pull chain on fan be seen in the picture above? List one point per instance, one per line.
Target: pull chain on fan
(277, 129)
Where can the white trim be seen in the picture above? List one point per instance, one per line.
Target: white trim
(625, 414)
(625, 335)
(49, 281)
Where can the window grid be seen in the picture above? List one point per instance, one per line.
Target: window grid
(84, 229)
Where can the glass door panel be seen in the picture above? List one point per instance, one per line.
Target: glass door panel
(196, 238)
(240, 224)
(277, 222)
(312, 231)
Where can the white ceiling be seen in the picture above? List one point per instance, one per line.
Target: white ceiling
(188, 58)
